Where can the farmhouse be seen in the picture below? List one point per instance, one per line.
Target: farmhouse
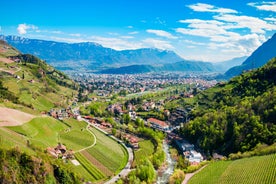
(60, 151)
(158, 124)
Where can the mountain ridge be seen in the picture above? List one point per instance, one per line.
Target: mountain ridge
(257, 59)
(93, 57)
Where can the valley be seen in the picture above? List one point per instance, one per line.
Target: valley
(124, 127)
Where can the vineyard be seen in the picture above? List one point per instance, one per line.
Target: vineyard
(253, 170)
(110, 153)
(97, 175)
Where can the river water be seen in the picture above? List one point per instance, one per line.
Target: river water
(164, 177)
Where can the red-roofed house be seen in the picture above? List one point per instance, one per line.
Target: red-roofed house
(158, 124)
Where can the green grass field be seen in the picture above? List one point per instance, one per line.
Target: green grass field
(41, 131)
(107, 151)
(146, 149)
(77, 139)
(10, 139)
(253, 170)
(46, 131)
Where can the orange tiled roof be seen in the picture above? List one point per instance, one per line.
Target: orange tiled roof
(158, 122)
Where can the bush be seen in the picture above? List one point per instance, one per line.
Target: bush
(177, 177)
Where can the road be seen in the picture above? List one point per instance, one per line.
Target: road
(190, 175)
(95, 138)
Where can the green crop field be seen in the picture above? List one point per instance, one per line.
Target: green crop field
(107, 151)
(43, 131)
(94, 172)
(253, 170)
(46, 131)
(146, 149)
(10, 139)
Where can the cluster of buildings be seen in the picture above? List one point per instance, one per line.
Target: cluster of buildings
(60, 151)
(107, 84)
(189, 152)
(158, 124)
(63, 113)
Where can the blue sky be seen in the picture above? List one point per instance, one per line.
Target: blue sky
(210, 30)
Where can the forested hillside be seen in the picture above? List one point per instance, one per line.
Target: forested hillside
(238, 115)
(19, 167)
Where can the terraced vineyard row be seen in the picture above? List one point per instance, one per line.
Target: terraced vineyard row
(254, 170)
(110, 153)
(97, 175)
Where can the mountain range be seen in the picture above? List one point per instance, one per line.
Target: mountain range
(88, 55)
(92, 57)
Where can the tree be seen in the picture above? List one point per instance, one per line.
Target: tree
(145, 171)
(177, 177)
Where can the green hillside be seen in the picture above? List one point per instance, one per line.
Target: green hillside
(253, 170)
(237, 115)
(29, 81)
(30, 140)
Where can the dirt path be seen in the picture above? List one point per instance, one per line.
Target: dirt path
(94, 143)
(12, 117)
(6, 60)
(190, 175)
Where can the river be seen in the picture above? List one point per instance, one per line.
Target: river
(164, 177)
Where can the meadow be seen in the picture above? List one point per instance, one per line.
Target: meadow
(76, 137)
(146, 148)
(41, 131)
(253, 170)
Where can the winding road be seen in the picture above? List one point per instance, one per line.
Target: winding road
(95, 139)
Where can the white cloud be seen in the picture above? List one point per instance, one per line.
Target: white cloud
(201, 7)
(193, 42)
(204, 28)
(22, 28)
(155, 43)
(75, 34)
(239, 44)
(126, 37)
(270, 19)
(161, 33)
(265, 6)
(134, 32)
(57, 32)
(255, 24)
